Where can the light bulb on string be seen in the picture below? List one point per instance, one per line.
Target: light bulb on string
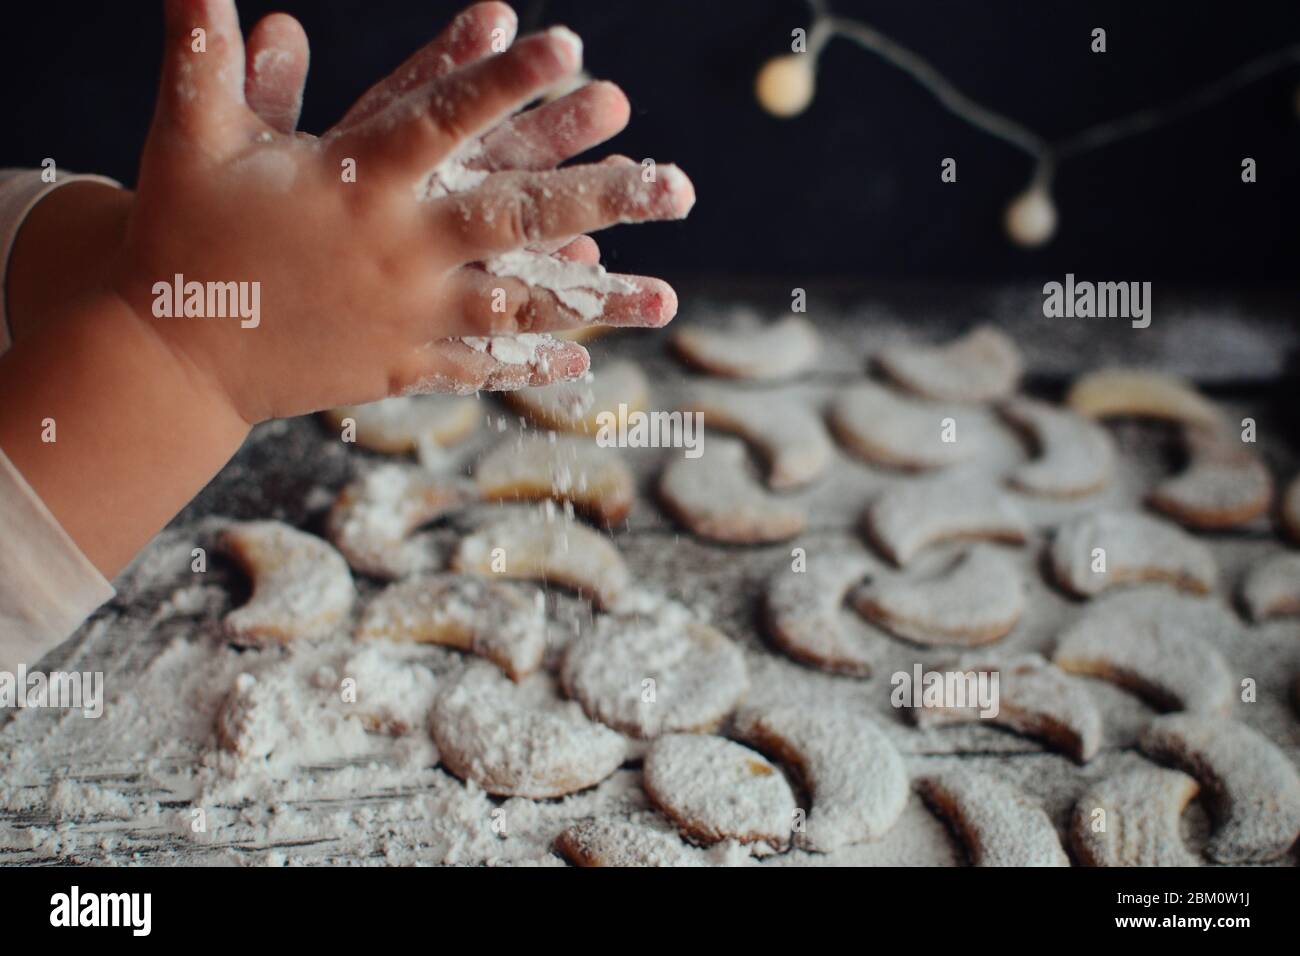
(1031, 217)
(786, 84)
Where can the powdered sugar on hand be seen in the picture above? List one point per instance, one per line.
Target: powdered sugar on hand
(511, 349)
(580, 287)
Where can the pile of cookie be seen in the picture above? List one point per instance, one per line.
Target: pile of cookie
(541, 715)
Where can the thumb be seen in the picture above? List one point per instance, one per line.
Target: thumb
(202, 89)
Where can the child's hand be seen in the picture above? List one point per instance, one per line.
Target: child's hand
(363, 287)
(361, 284)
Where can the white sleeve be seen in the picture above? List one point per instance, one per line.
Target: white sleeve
(47, 586)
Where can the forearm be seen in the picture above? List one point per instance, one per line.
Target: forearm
(137, 432)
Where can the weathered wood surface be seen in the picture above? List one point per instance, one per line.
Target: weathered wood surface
(1241, 349)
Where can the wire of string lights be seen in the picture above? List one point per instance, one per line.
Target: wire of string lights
(786, 85)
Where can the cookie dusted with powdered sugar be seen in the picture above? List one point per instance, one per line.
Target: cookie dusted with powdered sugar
(1271, 588)
(647, 675)
(1094, 552)
(1252, 786)
(410, 423)
(998, 824)
(786, 433)
(745, 347)
(569, 468)
(1134, 819)
(578, 406)
(1074, 456)
(854, 776)
(715, 789)
(975, 599)
(1033, 698)
(1156, 643)
(544, 545)
(302, 588)
(520, 740)
(504, 623)
(906, 518)
(981, 366)
(639, 841)
(1224, 485)
(718, 498)
(887, 428)
(373, 516)
(803, 612)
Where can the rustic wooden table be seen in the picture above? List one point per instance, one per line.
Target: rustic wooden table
(116, 793)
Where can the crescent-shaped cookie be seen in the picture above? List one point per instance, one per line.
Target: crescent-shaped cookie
(788, 434)
(975, 599)
(1252, 786)
(884, 427)
(803, 612)
(544, 545)
(718, 498)
(569, 468)
(639, 841)
(1135, 549)
(302, 588)
(1224, 485)
(908, 517)
(980, 366)
(372, 517)
(1075, 456)
(747, 348)
(853, 774)
(504, 623)
(578, 406)
(520, 740)
(409, 423)
(998, 824)
(715, 789)
(1033, 698)
(1141, 393)
(1156, 643)
(1271, 588)
(1139, 819)
(647, 676)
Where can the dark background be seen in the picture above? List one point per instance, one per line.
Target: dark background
(851, 187)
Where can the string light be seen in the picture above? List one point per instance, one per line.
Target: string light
(786, 85)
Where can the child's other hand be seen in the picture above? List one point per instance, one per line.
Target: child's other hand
(362, 285)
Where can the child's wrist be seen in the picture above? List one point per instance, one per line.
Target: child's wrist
(61, 251)
(112, 429)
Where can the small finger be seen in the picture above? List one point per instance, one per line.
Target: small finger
(583, 249)
(513, 210)
(474, 33)
(423, 129)
(201, 94)
(465, 366)
(505, 305)
(554, 132)
(276, 71)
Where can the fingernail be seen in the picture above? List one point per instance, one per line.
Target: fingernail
(667, 304)
(679, 189)
(570, 41)
(577, 363)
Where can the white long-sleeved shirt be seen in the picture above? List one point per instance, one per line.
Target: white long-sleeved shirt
(48, 587)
